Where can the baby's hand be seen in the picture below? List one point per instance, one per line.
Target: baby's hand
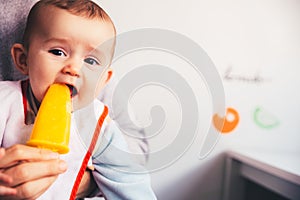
(28, 172)
(5, 180)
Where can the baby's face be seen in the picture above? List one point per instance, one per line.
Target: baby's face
(70, 49)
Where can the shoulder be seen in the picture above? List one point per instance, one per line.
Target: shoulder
(10, 97)
(11, 116)
(9, 90)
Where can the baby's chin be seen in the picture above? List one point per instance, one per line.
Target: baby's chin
(79, 103)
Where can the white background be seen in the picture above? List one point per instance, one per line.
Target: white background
(252, 38)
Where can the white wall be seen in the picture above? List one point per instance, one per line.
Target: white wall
(252, 38)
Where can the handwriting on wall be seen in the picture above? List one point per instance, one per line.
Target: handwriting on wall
(229, 75)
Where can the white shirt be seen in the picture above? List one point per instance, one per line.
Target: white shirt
(115, 170)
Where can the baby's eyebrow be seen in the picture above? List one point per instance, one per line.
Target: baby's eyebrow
(56, 40)
(97, 52)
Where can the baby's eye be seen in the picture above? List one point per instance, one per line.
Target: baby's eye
(57, 52)
(91, 61)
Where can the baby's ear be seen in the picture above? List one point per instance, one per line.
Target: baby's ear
(19, 56)
(109, 73)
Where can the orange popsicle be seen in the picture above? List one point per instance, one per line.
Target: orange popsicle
(51, 129)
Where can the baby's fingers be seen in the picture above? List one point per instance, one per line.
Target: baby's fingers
(5, 179)
(20, 153)
(6, 191)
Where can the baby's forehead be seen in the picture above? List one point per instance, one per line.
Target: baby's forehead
(43, 12)
(51, 19)
(52, 9)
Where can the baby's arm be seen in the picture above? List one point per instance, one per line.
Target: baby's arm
(87, 185)
(117, 173)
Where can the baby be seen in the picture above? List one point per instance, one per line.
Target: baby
(69, 42)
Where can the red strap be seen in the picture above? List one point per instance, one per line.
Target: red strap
(24, 86)
(88, 153)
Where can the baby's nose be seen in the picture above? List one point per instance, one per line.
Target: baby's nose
(71, 69)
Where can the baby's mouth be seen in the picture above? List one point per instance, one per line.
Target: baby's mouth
(73, 90)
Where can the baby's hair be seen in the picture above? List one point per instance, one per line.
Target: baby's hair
(83, 8)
